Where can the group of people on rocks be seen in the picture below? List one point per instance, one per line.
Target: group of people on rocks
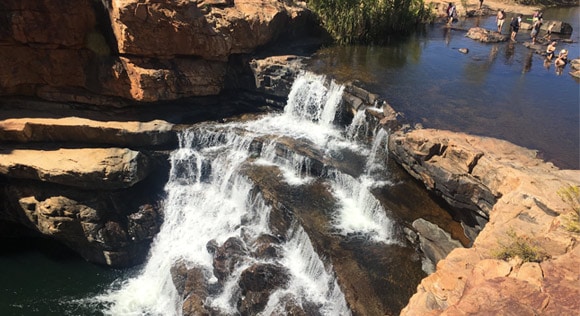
(515, 25)
(537, 22)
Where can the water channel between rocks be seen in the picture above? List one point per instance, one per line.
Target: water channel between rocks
(296, 178)
(316, 185)
(348, 203)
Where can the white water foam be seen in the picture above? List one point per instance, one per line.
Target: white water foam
(208, 200)
(309, 276)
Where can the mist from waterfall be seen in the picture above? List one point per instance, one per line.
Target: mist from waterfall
(208, 199)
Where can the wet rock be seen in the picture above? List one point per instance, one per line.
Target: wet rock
(435, 243)
(355, 98)
(485, 36)
(144, 224)
(392, 118)
(193, 306)
(559, 27)
(266, 247)
(464, 50)
(257, 282)
(275, 75)
(191, 284)
(575, 65)
(212, 246)
(263, 277)
(227, 256)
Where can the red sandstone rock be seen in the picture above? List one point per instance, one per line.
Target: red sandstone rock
(471, 281)
(55, 49)
(209, 29)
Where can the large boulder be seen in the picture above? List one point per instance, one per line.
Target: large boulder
(485, 35)
(107, 227)
(76, 130)
(257, 283)
(87, 168)
(109, 52)
(518, 193)
(212, 30)
(435, 243)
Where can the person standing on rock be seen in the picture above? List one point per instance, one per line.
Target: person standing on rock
(535, 30)
(515, 26)
(450, 13)
(499, 19)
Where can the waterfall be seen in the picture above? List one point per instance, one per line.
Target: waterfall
(208, 199)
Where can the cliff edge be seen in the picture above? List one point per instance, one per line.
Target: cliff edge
(525, 260)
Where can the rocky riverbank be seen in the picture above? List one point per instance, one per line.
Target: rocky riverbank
(93, 93)
(517, 194)
(88, 167)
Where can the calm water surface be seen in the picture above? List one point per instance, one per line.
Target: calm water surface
(501, 90)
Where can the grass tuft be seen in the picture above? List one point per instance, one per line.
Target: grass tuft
(521, 247)
(571, 196)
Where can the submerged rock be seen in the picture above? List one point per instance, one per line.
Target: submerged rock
(257, 283)
(227, 256)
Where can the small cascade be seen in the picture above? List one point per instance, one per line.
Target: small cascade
(360, 212)
(379, 152)
(208, 200)
(312, 283)
(312, 101)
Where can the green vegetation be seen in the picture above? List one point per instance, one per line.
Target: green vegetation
(369, 21)
(571, 196)
(519, 246)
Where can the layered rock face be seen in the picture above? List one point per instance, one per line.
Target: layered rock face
(518, 193)
(92, 52)
(102, 202)
(88, 167)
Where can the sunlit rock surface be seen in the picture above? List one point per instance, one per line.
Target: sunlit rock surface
(104, 52)
(517, 192)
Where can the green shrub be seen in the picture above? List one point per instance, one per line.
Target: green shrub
(521, 247)
(368, 21)
(571, 196)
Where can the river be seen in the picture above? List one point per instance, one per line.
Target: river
(498, 90)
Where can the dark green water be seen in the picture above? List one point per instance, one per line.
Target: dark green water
(501, 90)
(40, 277)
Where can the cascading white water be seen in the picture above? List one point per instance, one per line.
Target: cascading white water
(207, 199)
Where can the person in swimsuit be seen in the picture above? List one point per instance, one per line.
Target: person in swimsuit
(535, 30)
(550, 51)
(499, 19)
(562, 58)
